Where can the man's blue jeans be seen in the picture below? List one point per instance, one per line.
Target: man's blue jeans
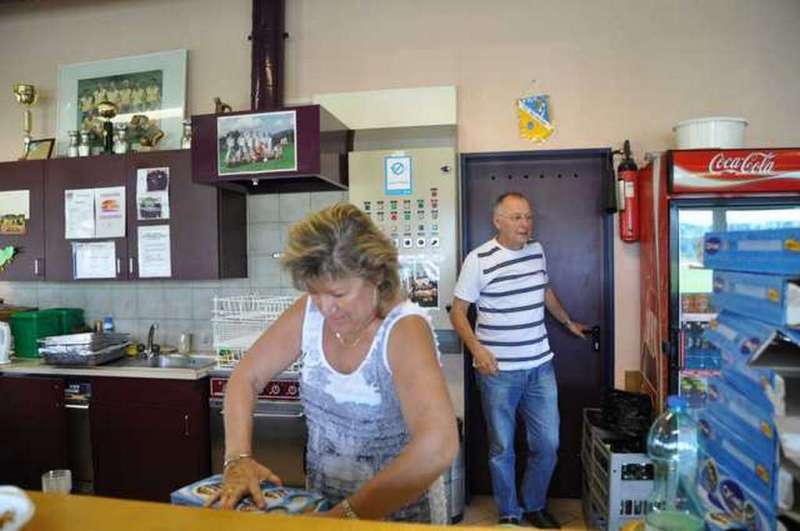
(534, 394)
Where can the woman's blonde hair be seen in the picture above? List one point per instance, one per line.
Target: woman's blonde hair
(342, 242)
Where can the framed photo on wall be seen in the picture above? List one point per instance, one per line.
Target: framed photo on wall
(40, 149)
(153, 85)
(257, 143)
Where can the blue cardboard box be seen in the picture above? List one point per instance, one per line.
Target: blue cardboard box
(773, 299)
(774, 251)
(280, 500)
(726, 444)
(727, 498)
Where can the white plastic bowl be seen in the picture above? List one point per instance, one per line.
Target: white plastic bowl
(714, 132)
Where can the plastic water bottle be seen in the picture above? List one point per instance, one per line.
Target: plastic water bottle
(108, 324)
(672, 445)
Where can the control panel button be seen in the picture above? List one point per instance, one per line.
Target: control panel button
(407, 243)
(367, 206)
(396, 242)
(434, 242)
(420, 242)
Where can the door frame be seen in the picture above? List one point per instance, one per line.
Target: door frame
(608, 175)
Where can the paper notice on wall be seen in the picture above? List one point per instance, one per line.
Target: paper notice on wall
(152, 193)
(15, 211)
(109, 212)
(94, 259)
(397, 175)
(420, 275)
(154, 251)
(79, 214)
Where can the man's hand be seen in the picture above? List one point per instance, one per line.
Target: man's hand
(579, 329)
(484, 361)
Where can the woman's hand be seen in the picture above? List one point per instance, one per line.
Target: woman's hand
(241, 479)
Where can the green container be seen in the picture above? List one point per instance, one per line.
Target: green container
(27, 327)
(70, 319)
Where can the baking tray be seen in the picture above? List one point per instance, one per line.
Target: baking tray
(83, 358)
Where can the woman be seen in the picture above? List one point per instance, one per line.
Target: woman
(380, 423)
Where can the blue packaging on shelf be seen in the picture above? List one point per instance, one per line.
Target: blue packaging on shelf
(755, 424)
(770, 298)
(728, 499)
(280, 500)
(757, 472)
(774, 251)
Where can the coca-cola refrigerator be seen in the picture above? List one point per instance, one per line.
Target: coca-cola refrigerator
(684, 194)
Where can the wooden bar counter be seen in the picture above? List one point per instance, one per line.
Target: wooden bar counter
(72, 512)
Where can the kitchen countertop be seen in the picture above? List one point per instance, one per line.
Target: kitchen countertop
(37, 366)
(72, 512)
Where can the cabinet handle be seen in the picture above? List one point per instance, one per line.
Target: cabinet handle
(36, 267)
(119, 266)
(130, 265)
(186, 425)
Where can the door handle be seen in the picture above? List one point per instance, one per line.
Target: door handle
(119, 266)
(130, 266)
(186, 425)
(595, 338)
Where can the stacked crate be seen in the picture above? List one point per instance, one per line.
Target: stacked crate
(615, 485)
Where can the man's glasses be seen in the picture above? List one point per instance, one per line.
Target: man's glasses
(516, 218)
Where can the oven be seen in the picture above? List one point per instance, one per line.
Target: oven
(279, 428)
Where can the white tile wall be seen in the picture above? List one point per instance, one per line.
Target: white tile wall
(184, 306)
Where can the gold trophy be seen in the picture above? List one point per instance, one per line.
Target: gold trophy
(26, 95)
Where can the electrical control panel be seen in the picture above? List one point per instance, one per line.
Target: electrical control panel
(412, 196)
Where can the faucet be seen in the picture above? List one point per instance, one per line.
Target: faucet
(148, 350)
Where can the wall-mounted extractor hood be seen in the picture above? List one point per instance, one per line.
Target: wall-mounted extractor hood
(293, 149)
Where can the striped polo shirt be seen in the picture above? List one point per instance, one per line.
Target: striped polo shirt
(508, 286)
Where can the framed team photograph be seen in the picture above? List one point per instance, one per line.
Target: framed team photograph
(153, 85)
(257, 143)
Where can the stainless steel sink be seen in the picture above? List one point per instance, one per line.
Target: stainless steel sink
(169, 361)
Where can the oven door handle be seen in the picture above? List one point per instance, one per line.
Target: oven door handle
(278, 415)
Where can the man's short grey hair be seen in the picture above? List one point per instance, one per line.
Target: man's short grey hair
(503, 197)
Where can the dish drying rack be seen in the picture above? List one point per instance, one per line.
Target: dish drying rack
(238, 321)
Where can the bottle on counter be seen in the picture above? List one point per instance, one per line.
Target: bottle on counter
(672, 445)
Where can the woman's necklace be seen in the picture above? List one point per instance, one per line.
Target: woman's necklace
(357, 340)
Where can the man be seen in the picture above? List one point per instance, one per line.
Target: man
(506, 278)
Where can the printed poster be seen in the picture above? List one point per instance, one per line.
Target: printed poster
(420, 276)
(15, 211)
(152, 193)
(397, 175)
(94, 260)
(79, 214)
(109, 212)
(154, 251)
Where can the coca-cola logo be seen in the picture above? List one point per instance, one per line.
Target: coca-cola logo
(754, 163)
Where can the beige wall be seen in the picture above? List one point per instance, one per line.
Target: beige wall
(615, 69)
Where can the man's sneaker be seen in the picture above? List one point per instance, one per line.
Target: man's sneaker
(508, 521)
(542, 519)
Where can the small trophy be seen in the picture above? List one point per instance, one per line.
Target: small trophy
(26, 94)
(106, 111)
(121, 138)
(72, 149)
(85, 145)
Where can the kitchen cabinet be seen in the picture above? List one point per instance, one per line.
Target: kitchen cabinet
(208, 225)
(28, 264)
(33, 429)
(149, 436)
(70, 174)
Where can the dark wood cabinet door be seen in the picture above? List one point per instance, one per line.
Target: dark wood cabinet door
(28, 263)
(78, 173)
(193, 217)
(149, 437)
(33, 429)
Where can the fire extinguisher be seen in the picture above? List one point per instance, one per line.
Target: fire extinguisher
(629, 215)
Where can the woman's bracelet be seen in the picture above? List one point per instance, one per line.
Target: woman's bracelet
(234, 459)
(348, 509)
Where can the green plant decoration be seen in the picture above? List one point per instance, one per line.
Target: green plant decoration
(6, 256)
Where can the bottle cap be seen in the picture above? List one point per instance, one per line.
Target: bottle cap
(675, 402)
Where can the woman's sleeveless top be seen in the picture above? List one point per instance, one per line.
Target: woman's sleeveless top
(355, 424)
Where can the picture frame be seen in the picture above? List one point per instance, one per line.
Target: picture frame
(40, 149)
(152, 84)
(257, 143)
